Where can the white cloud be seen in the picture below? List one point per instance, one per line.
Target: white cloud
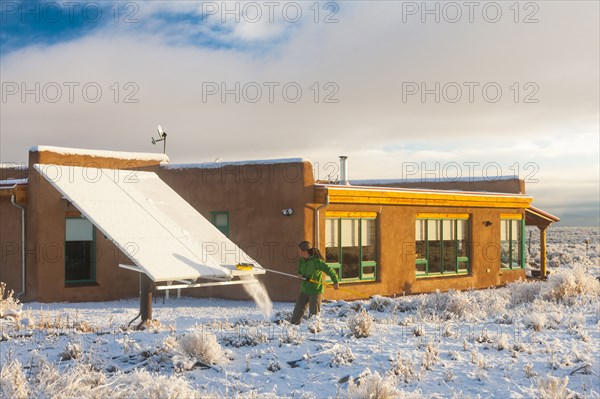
(367, 57)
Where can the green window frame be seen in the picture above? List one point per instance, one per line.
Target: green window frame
(356, 262)
(512, 243)
(442, 246)
(220, 219)
(78, 251)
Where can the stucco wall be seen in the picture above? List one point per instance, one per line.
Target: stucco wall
(515, 186)
(10, 244)
(396, 252)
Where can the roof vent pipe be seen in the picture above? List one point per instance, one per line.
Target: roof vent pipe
(344, 171)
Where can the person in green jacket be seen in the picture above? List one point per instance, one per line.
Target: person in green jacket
(311, 266)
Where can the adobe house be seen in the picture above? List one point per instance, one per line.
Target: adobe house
(381, 239)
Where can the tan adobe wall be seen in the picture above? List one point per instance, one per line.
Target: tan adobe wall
(10, 242)
(514, 186)
(396, 246)
(254, 195)
(91, 160)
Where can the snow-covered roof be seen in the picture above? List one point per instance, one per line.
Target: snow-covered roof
(13, 165)
(537, 212)
(466, 179)
(214, 165)
(418, 190)
(163, 235)
(135, 156)
(12, 182)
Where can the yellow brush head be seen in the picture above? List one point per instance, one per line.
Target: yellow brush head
(244, 266)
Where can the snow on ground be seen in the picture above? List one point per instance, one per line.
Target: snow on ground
(531, 339)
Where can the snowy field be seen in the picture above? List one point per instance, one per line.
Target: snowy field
(526, 340)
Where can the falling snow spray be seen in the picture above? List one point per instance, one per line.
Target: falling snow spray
(256, 289)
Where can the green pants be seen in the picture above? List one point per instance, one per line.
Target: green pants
(302, 302)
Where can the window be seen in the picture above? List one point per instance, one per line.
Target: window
(351, 247)
(441, 245)
(80, 251)
(221, 221)
(512, 242)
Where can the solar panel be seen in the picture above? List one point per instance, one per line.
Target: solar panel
(147, 220)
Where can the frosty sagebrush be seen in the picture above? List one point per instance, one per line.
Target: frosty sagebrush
(361, 324)
(84, 381)
(570, 282)
(196, 347)
(10, 307)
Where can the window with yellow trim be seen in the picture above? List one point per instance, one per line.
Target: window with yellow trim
(442, 246)
(512, 255)
(351, 247)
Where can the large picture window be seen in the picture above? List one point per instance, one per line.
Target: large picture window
(442, 245)
(351, 247)
(511, 242)
(80, 251)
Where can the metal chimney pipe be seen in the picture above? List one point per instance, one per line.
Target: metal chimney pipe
(344, 171)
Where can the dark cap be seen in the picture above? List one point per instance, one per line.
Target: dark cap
(305, 246)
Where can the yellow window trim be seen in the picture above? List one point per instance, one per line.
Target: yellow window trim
(513, 216)
(442, 215)
(343, 214)
(338, 195)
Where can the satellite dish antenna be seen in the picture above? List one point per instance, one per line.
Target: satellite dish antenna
(162, 136)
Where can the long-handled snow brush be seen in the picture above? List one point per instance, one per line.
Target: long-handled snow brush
(250, 266)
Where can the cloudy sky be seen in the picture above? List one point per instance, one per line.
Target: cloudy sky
(405, 89)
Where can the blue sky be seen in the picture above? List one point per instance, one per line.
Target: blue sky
(45, 23)
(389, 84)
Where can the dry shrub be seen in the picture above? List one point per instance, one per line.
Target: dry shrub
(143, 384)
(273, 365)
(529, 371)
(80, 381)
(523, 292)
(13, 383)
(341, 356)
(9, 305)
(403, 368)
(503, 342)
(372, 386)
(537, 321)
(382, 304)
(245, 337)
(197, 347)
(554, 388)
(458, 303)
(569, 283)
(290, 334)
(71, 351)
(430, 357)
(361, 324)
(469, 305)
(84, 381)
